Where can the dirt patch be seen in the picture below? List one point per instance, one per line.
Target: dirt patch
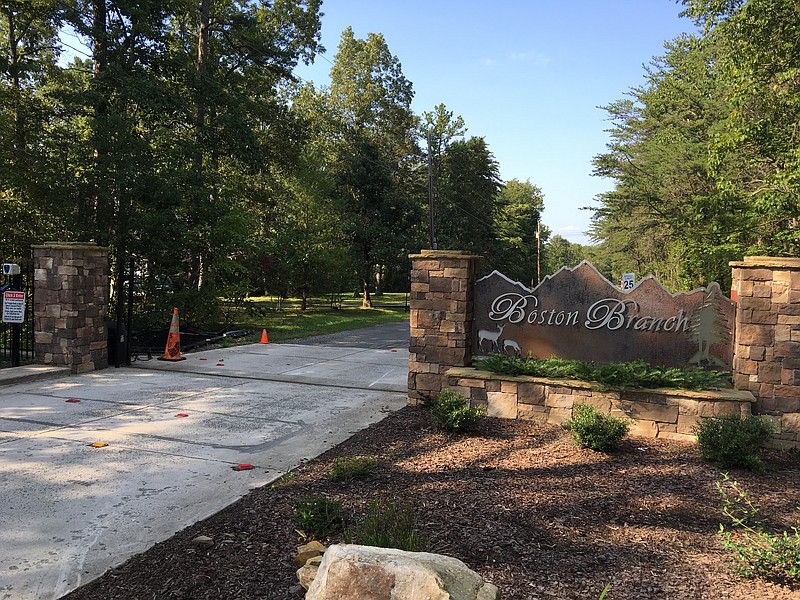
(518, 502)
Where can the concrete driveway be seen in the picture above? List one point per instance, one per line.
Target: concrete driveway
(69, 511)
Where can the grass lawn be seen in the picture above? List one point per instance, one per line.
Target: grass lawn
(284, 320)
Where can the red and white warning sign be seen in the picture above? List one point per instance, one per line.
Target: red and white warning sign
(13, 307)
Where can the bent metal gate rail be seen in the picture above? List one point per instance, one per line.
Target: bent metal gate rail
(577, 313)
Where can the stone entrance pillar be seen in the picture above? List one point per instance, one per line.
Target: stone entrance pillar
(767, 350)
(442, 284)
(71, 305)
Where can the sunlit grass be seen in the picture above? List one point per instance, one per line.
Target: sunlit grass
(320, 318)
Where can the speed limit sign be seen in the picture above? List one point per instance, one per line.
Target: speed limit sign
(628, 281)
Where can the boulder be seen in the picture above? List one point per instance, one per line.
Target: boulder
(352, 572)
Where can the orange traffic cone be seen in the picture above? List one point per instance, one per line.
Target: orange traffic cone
(264, 338)
(173, 350)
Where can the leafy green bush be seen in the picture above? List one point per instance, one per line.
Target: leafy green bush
(756, 552)
(389, 525)
(353, 467)
(592, 429)
(733, 441)
(451, 411)
(318, 517)
(635, 374)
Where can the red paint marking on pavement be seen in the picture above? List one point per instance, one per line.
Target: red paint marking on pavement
(73, 400)
(243, 467)
(181, 415)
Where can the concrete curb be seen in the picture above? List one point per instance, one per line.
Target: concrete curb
(28, 373)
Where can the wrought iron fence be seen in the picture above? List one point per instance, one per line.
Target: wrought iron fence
(25, 346)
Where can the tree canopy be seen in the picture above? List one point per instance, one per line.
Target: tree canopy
(180, 136)
(704, 154)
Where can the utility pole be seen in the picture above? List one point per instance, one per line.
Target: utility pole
(538, 250)
(430, 195)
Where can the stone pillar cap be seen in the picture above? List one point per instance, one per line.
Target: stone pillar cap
(755, 262)
(443, 254)
(70, 246)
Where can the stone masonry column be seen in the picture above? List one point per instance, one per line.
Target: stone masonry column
(767, 349)
(441, 303)
(71, 305)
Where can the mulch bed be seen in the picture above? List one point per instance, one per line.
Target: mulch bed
(517, 502)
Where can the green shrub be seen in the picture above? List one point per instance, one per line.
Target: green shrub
(353, 467)
(451, 411)
(733, 441)
(317, 517)
(756, 552)
(592, 429)
(389, 525)
(619, 375)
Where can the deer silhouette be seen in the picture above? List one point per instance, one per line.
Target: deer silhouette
(492, 336)
(514, 346)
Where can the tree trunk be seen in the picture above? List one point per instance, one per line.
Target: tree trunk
(202, 71)
(379, 280)
(196, 261)
(101, 203)
(366, 300)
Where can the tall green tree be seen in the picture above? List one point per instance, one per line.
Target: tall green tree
(666, 214)
(467, 204)
(28, 52)
(230, 59)
(518, 230)
(560, 252)
(439, 128)
(374, 154)
(756, 58)
(704, 155)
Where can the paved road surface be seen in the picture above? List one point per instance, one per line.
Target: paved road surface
(69, 511)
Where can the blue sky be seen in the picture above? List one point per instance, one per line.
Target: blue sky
(526, 75)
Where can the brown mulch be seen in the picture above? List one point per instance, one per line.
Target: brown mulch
(517, 502)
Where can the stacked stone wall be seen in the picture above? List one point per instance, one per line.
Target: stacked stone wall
(665, 413)
(767, 350)
(442, 284)
(71, 305)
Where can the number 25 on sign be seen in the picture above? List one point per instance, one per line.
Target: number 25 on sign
(628, 281)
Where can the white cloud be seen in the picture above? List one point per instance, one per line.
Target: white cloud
(487, 62)
(538, 59)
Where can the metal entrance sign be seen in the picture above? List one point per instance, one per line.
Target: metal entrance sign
(13, 307)
(577, 313)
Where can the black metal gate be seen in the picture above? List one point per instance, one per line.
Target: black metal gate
(16, 339)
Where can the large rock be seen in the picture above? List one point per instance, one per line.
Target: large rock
(351, 572)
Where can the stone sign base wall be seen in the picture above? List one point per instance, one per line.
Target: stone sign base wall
(71, 305)
(766, 360)
(663, 413)
(767, 350)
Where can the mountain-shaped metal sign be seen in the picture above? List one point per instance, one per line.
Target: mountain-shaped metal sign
(578, 313)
